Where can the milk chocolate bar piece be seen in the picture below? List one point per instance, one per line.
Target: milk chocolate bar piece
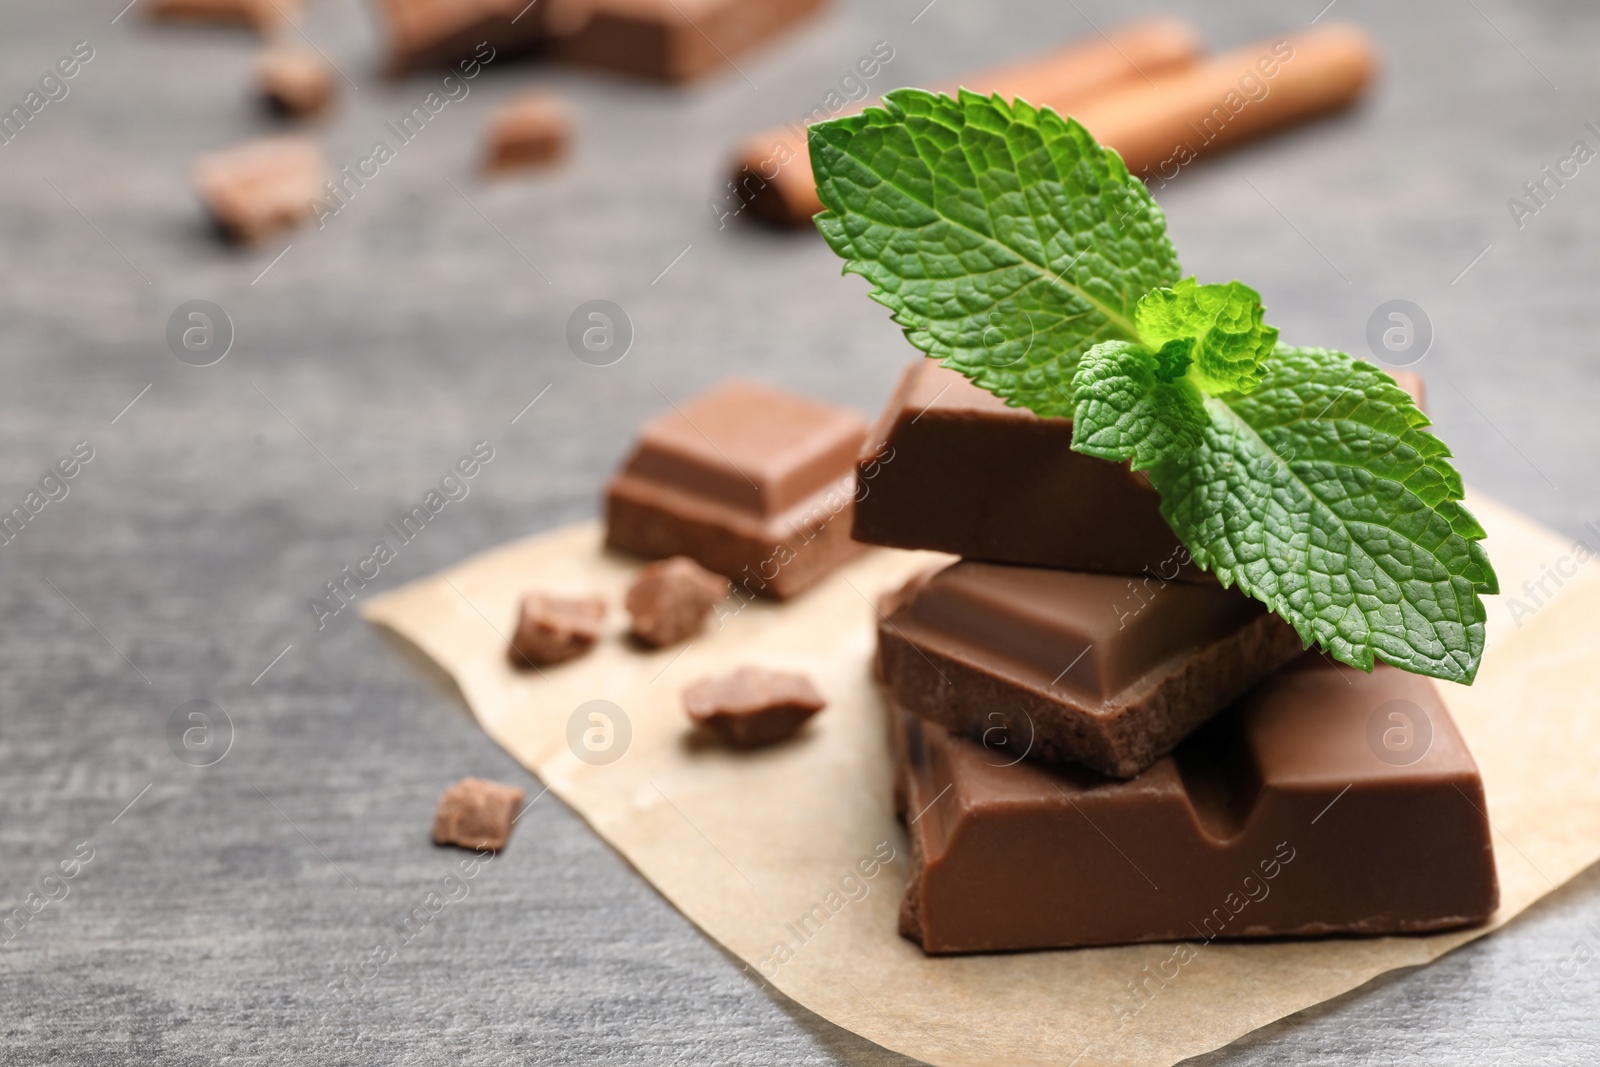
(670, 40)
(531, 130)
(476, 813)
(749, 482)
(1103, 671)
(1280, 817)
(951, 467)
(261, 186)
(432, 33)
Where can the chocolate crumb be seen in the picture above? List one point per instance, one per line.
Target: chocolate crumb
(531, 130)
(753, 706)
(261, 186)
(476, 813)
(671, 599)
(553, 629)
(295, 82)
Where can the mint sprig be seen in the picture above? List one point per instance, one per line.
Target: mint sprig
(1004, 239)
(1017, 250)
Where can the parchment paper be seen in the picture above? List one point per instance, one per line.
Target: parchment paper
(748, 845)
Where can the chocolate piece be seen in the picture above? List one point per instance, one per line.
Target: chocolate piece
(950, 467)
(261, 186)
(476, 813)
(430, 33)
(295, 82)
(1104, 671)
(553, 629)
(671, 599)
(529, 131)
(1277, 818)
(673, 40)
(753, 706)
(751, 483)
(264, 15)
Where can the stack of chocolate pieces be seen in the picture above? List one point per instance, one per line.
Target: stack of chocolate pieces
(1097, 743)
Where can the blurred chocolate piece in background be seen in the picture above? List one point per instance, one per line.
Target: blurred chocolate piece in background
(259, 187)
(530, 130)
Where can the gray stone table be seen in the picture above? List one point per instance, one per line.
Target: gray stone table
(216, 904)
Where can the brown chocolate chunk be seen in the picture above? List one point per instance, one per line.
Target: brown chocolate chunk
(424, 33)
(753, 706)
(294, 81)
(259, 187)
(672, 40)
(1105, 671)
(754, 484)
(951, 467)
(670, 600)
(264, 15)
(1280, 817)
(553, 629)
(531, 130)
(476, 813)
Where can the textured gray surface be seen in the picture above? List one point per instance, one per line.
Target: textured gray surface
(216, 910)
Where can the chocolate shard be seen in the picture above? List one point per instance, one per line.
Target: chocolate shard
(753, 706)
(751, 483)
(531, 130)
(476, 813)
(1104, 671)
(1280, 817)
(671, 598)
(951, 467)
(554, 629)
(669, 40)
(262, 186)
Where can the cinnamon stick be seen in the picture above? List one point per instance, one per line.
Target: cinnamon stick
(772, 171)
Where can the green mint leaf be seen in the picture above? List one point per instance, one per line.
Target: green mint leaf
(1225, 321)
(1006, 241)
(1131, 406)
(1323, 495)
